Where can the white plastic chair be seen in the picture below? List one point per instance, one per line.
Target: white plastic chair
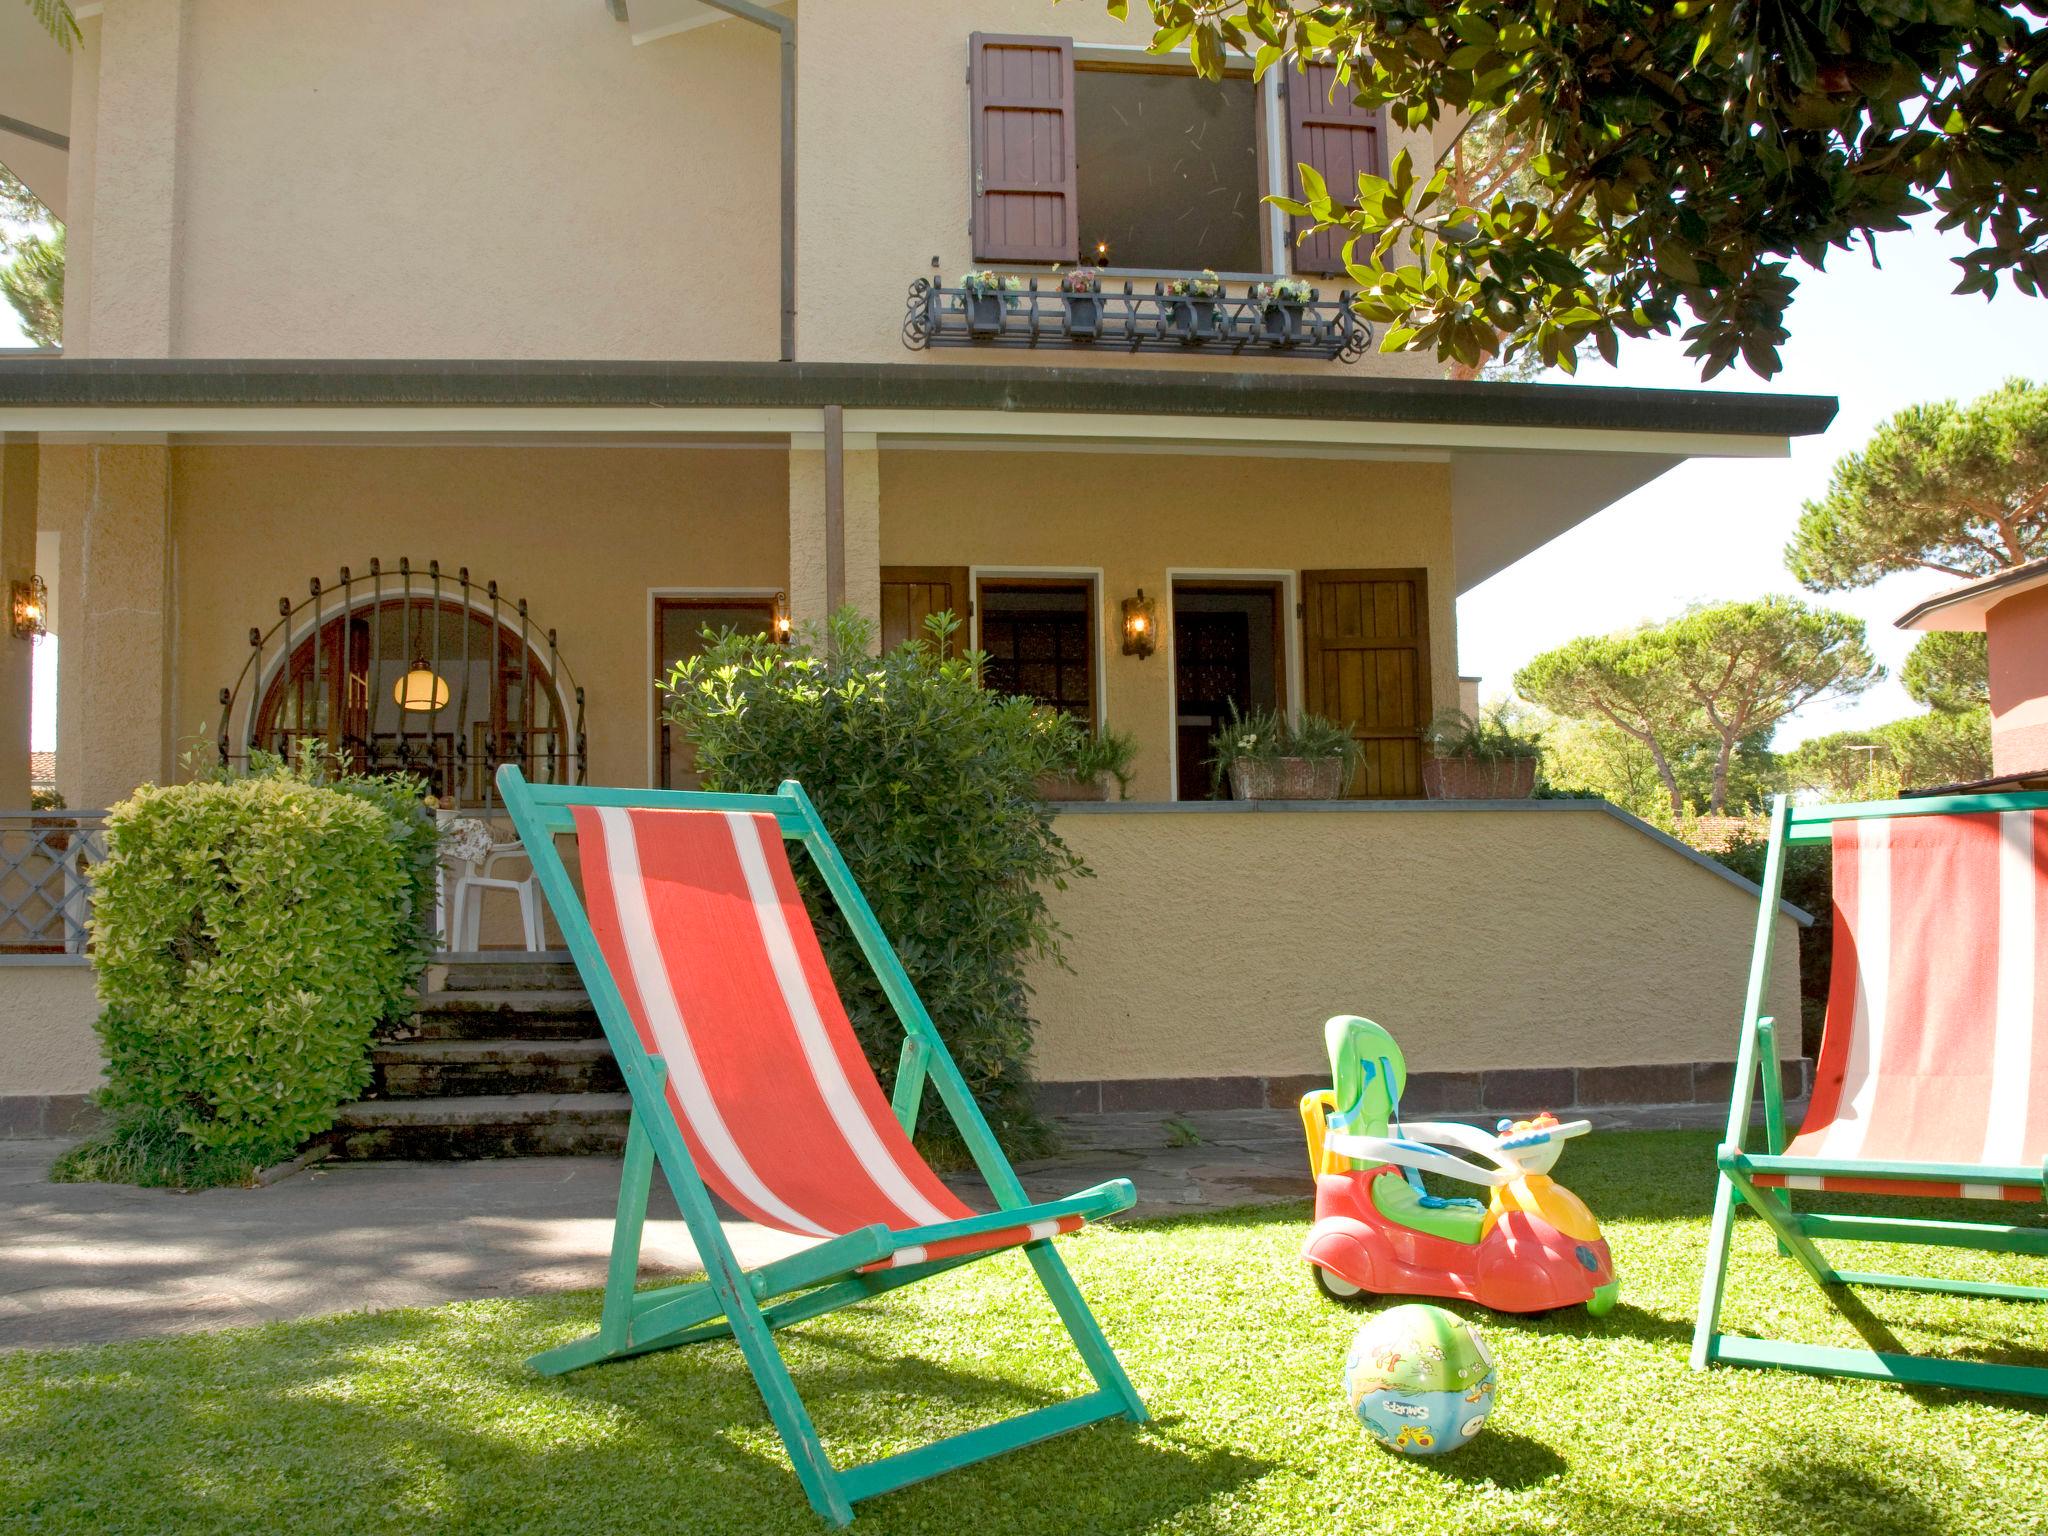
(480, 858)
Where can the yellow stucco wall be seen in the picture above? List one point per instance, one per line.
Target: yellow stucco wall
(283, 178)
(385, 179)
(885, 174)
(1216, 943)
(47, 1043)
(585, 534)
(1134, 517)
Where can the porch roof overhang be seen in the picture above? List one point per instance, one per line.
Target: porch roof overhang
(1526, 461)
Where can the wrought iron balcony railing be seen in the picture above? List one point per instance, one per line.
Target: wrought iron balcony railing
(46, 861)
(1028, 316)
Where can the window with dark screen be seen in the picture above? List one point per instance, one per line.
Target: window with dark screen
(1038, 636)
(1167, 170)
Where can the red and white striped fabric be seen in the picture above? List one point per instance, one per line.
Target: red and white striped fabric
(699, 918)
(1936, 1048)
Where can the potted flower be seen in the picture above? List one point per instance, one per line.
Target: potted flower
(1078, 765)
(1194, 305)
(1491, 758)
(987, 296)
(1264, 757)
(1083, 292)
(1280, 303)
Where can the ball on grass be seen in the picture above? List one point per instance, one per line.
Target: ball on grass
(1420, 1380)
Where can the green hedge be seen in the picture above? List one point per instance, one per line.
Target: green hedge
(250, 933)
(926, 781)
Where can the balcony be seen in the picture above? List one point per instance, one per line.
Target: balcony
(1109, 320)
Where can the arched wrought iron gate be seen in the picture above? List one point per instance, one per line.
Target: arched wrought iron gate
(412, 671)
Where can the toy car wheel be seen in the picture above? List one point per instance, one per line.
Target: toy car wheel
(1336, 1287)
(1602, 1301)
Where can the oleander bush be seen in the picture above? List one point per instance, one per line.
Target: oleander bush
(250, 933)
(927, 782)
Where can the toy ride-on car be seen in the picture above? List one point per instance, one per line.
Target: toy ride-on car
(1531, 1246)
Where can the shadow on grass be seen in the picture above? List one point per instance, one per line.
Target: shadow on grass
(430, 1421)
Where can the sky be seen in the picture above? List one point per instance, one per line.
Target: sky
(1878, 340)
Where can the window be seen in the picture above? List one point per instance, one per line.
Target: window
(1039, 636)
(1167, 170)
(1164, 170)
(679, 625)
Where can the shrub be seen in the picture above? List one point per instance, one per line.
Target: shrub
(1809, 883)
(250, 933)
(926, 782)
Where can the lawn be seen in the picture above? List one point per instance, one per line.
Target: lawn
(426, 1421)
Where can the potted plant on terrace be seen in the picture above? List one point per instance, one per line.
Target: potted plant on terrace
(1080, 766)
(1264, 757)
(987, 296)
(1491, 758)
(1083, 291)
(1280, 303)
(1194, 305)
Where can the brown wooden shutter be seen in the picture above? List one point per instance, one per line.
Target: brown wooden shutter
(1021, 95)
(1340, 139)
(1365, 663)
(912, 593)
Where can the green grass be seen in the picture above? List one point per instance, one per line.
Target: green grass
(427, 1421)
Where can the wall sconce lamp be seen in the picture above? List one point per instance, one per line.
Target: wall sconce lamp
(421, 690)
(31, 608)
(1141, 625)
(780, 624)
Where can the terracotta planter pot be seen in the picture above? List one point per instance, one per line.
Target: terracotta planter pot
(1465, 778)
(1056, 787)
(1287, 778)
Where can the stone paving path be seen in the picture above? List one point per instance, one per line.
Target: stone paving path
(84, 1263)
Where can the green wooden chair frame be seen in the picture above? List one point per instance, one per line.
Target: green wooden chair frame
(1797, 1231)
(749, 1306)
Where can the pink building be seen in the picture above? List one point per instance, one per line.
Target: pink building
(2010, 609)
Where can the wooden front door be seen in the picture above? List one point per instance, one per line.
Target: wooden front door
(1365, 661)
(913, 593)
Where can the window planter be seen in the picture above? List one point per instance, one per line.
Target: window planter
(1084, 315)
(1287, 778)
(984, 313)
(1281, 323)
(1194, 319)
(1472, 778)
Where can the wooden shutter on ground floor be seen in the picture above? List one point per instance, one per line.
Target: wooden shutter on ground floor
(1365, 663)
(1340, 139)
(912, 593)
(1021, 97)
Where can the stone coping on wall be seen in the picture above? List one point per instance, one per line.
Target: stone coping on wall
(1412, 807)
(1509, 1091)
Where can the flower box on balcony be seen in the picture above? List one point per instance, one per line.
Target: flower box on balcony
(1082, 292)
(1281, 306)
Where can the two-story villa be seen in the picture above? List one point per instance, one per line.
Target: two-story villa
(478, 354)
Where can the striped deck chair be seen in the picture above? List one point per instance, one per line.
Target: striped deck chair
(747, 1083)
(1932, 1078)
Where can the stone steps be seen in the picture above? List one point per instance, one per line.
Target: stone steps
(516, 1014)
(505, 1058)
(463, 1068)
(494, 1125)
